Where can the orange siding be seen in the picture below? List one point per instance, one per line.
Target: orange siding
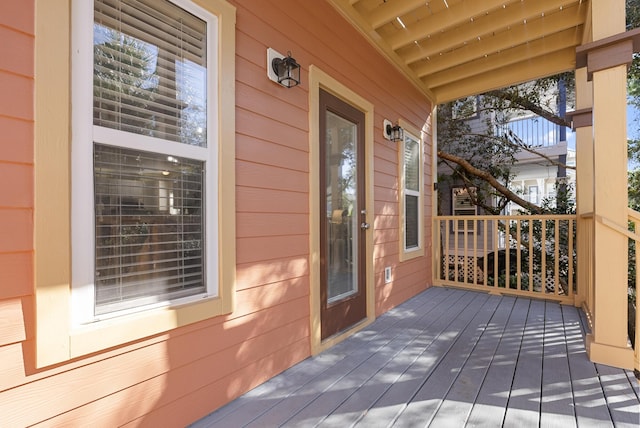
(179, 376)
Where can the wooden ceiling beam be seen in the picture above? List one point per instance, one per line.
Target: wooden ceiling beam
(388, 11)
(455, 15)
(533, 68)
(538, 48)
(359, 23)
(562, 26)
(508, 17)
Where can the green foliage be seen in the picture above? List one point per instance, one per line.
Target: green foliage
(122, 80)
(482, 148)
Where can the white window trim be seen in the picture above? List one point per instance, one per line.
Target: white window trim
(85, 135)
(56, 339)
(416, 135)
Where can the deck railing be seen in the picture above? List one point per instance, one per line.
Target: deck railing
(526, 255)
(632, 233)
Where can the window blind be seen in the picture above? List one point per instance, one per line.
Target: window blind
(411, 190)
(412, 239)
(150, 69)
(148, 226)
(411, 164)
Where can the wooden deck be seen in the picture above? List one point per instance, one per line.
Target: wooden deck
(449, 358)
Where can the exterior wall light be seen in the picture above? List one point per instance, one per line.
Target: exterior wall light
(392, 132)
(283, 70)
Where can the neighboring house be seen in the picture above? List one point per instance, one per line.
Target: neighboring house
(534, 176)
(176, 227)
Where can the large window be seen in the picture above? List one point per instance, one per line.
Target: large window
(137, 236)
(411, 185)
(148, 153)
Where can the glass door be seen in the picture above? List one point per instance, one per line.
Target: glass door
(342, 215)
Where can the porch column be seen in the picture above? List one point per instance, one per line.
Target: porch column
(606, 59)
(582, 121)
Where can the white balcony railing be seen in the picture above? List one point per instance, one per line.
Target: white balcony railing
(533, 131)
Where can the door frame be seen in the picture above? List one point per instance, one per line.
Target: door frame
(317, 80)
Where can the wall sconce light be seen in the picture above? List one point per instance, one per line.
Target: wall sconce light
(392, 132)
(283, 69)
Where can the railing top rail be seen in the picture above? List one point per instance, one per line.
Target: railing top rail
(633, 215)
(618, 228)
(508, 217)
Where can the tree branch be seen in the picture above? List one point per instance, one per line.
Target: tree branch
(483, 175)
(526, 104)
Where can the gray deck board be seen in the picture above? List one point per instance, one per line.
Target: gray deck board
(490, 405)
(523, 406)
(556, 409)
(448, 358)
(590, 403)
(438, 384)
(394, 401)
(458, 404)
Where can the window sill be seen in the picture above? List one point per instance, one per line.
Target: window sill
(112, 332)
(411, 254)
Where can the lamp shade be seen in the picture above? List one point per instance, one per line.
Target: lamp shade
(287, 70)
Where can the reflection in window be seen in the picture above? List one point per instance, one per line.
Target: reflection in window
(150, 70)
(411, 170)
(149, 227)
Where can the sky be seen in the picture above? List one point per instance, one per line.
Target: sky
(633, 120)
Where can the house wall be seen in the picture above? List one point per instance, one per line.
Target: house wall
(173, 378)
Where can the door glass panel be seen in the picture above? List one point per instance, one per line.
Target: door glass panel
(342, 216)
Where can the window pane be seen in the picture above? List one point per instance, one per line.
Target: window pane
(411, 164)
(150, 70)
(149, 228)
(411, 222)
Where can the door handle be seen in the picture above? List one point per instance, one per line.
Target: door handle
(364, 225)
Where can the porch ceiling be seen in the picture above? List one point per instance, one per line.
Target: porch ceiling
(455, 48)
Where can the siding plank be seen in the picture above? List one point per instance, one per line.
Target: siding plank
(260, 151)
(16, 185)
(18, 14)
(258, 273)
(271, 248)
(17, 96)
(270, 177)
(16, 274)
(249, 225)
(15, 52)
(16, 140)
(16, 230)
(188, 369)
(12, 328)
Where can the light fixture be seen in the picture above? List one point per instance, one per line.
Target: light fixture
(283, 69)
(392, 132)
